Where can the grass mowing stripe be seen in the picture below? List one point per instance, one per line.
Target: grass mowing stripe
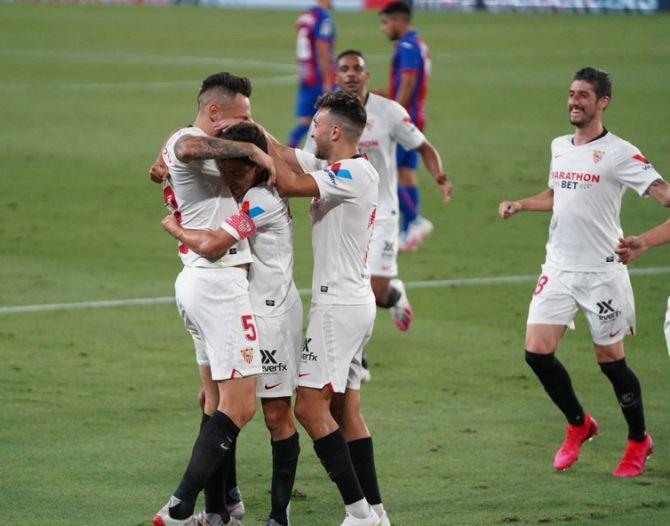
(144, 58)
(429, 284)
(188, 84)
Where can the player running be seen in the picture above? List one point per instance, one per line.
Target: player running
(315, 42)
(343, 186)
(632, 247)
(212, 295)
(265, 221)
(388, 126)
(589, 173)
(410, 69)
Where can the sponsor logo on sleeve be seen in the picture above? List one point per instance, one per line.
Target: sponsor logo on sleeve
(643, 160)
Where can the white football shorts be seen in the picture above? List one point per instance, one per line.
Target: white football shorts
(383, 253)
(605, 298)
(280, 341)
(333, 350)
(214, 304)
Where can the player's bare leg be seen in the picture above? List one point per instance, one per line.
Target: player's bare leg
(541, 344)
(612, 361)
(312, 409)
(285, 451)
(346, 409)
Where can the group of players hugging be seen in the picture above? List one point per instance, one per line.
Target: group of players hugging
(226, 182)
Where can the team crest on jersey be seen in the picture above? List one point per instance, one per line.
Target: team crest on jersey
(598, 156)
(247, 354)
(369, 124)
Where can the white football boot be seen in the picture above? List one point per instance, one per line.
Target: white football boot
(384, 519)
(416, 233)
(214, 519)
(162, 518)
(371, 520)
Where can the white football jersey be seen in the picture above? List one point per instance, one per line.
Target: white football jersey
(271, 285)
(588, 183)
(388, 125)
(197, 196)
(342, 221)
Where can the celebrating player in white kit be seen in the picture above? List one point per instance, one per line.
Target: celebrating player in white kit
(589, 173)
(632, 247)
(388, 125)
(265, 221)
(344, 187)
(212, 294)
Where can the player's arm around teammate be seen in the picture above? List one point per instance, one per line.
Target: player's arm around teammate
(632, 247)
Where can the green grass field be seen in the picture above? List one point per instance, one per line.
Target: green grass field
(98, 407)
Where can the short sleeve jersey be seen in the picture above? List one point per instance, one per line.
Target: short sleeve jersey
(589, 181)
(197, 196)
(388, 124)
(342, 221)
(313, 25)
(271, 285)
(411, 54)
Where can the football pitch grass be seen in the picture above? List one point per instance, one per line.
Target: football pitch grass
(98, 407)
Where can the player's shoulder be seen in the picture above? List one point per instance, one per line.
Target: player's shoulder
(562, 141)
(354, 168)
(621, 145)
(262, 195)
(260, 200)
(185, 131)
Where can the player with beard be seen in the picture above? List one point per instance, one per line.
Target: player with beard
(265, 221)
(343, 186)
(388, 125)
(589, 173)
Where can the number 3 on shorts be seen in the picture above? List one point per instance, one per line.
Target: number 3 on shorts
(249, 327)
(541, 282)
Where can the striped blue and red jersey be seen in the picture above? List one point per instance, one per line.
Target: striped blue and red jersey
(411, 54)
(313, 25)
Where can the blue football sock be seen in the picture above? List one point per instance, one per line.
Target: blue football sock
(415, 196)
(407, 207)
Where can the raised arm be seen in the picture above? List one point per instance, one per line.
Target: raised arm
(433, 163)
(292, 183)
(542, 202)
(211, 244)
(632, 247)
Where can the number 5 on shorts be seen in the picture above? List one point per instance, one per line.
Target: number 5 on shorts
(249, 327)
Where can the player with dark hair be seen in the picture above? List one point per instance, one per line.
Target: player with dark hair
(315, 42)
(343, 186)
(589, 173)
(212, 296)
(410, 69)
(632, 247)
(388, 125)
(264, 220)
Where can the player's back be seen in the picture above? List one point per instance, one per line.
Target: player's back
(411, 54)
(312, 25)
(271, 285)
(195, 193)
